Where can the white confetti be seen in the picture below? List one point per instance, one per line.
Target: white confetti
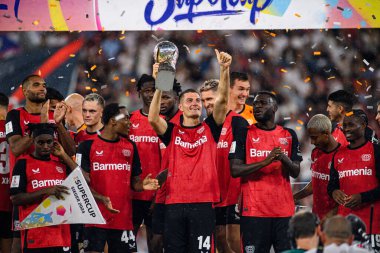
(249, 60)
(314, 45)
(112, 58)
(371, 69)
(368, 96)
(103, 87)
(60, 77)
(12, 88)
(366, 62)
(369, 87)
(68, 64)
(369, 107)
(287, 118)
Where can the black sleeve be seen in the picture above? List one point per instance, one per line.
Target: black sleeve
(334, 179)
(215, 129)
(136, 165)
(238, 146)
(19, 181)
(296, 152)
(12, 124)
(166, 137)
(371, 136)
(83, 155)
(373, 195)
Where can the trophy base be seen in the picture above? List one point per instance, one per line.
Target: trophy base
(165, 80)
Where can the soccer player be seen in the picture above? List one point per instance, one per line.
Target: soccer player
(338, 104)
(73, 116)
(113, 165)
(319, 130)
(147, 143)
(5, 202)
(265, 155)
(169, 103)
(355, 176)
(92, 110)
(35, 177)
(192, 184)
(229, 187)
(239, 92)
(369, 133)
(378, 113)
(54, 96)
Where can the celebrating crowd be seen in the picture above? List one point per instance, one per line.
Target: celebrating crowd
(222, 183)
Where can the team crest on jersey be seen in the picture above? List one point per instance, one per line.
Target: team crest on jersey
(8, 127)
(283, 141)
(99, 153)
(257, 140)
(134, 126)
(250, 249)
(36, 171)
(224, 131)
(366, 157)
(59, 169)
(200, 130)
(340, 161)
(126, 152)
(15, 181)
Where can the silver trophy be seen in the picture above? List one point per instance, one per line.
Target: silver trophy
(166, 54)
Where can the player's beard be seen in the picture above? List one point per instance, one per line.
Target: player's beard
(35, 99)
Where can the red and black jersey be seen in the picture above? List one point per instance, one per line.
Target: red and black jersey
(85, 135)
(5, 202)
(147, 142)
(192, 174)
(337, 133)
(267, 192)
(357, 171)
(320, 176)
(111, 165)
(16, 124)
(31, 175)
(229, 186)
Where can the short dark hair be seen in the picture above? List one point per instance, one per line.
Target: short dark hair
(143, 79)
(362, 114)
(344, 98)
(110, 110)
(52, 93)
(177, 87)
(268, 93)
(4, 100)
(302, 225)
(188, 91)
(26, 79)
(237, 76)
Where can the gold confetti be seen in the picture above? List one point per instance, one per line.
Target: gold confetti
(199, 31)
(331, 77)
(297, 15)
(94, 80)
(298, 128)
(39, 72)
(127, 93)
(88, 88)
(122, 37)
(262, 61)
(300, 122)
(100, 51)
(198, 51)
(211, 45)
(122, 32)
(359, 83)
(287, 86)
(94, 89)
(310, 109)
(317, 53)
(283, 70)
(349, 114)
(133, 80)
(93, 67)
(36, 22)
(307, 79)
(115, 78)
(72, 55)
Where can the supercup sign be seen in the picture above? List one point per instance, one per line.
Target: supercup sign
(77, 207)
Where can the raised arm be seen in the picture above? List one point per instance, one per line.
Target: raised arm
(221, 101)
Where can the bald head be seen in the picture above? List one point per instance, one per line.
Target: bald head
(74, 118)
(337, 230)
(75, 101)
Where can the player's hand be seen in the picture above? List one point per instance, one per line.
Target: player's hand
(58, 191)
(155, 70)
(274, 154)
(150, 183)
(339, 197)
(60, 112)
(58, 150)
(45, 112)
(224, 59)
(107, 202)
(353, 201)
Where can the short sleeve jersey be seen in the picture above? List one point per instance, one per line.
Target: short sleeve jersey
(357, 171)
(31, 175)
(5, 203)
(85, 135)
(267, 192)
(111, 165)
(16, 124)
(192, 174)
(229, 186)
(320, 176)
(337, 133)
(147, 143)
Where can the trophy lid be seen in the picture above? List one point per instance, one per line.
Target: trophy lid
(166, 51)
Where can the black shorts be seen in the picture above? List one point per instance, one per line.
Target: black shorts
(189, 228)
(221, 216)
(76, 231)
(158, 219)
(141, 213)
(48, 250)
(233, 214)
(6, 225)
(259, 234)
(16, 223)
(119, 241)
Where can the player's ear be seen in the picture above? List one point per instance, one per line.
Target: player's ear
(180, 107)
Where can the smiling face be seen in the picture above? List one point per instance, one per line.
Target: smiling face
(353, 128)
(208, 100)
(239, 92)
(191, 105)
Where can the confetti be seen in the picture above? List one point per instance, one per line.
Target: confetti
(297, 15)
(310, 109)
(211, 45)
(298, 128)
(368, 96)
(307, 79)
(94, 89)
(227, 35)
(300, 122)
(262, 61)
(199, 31)
(339, 38)
(12, 88)
(292, 62)
(122, 13)
(369, 107)
(283, 70)
(36, 22)
(115, 78)
(314, 45)
(94, 80)
(127, 93)
(287, 87)
(60, 77)
(317, 53)
(93, 67)
(133, 80)
(371, 69)
(100, 51)
(307, 114)
(359, 83)
(72, 55)
(112, 58)
(369, 87)
(366, 62)
(187, 48)
(249, 60)
(122, 37)
(103, 86)
(197, 51)
(349, 114)
(331, 77)
(287, 118)
(88, 88)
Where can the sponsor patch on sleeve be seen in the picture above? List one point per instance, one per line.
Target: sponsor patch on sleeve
(8, 127)
(233, 147)
(15, 181)
(78, 159)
